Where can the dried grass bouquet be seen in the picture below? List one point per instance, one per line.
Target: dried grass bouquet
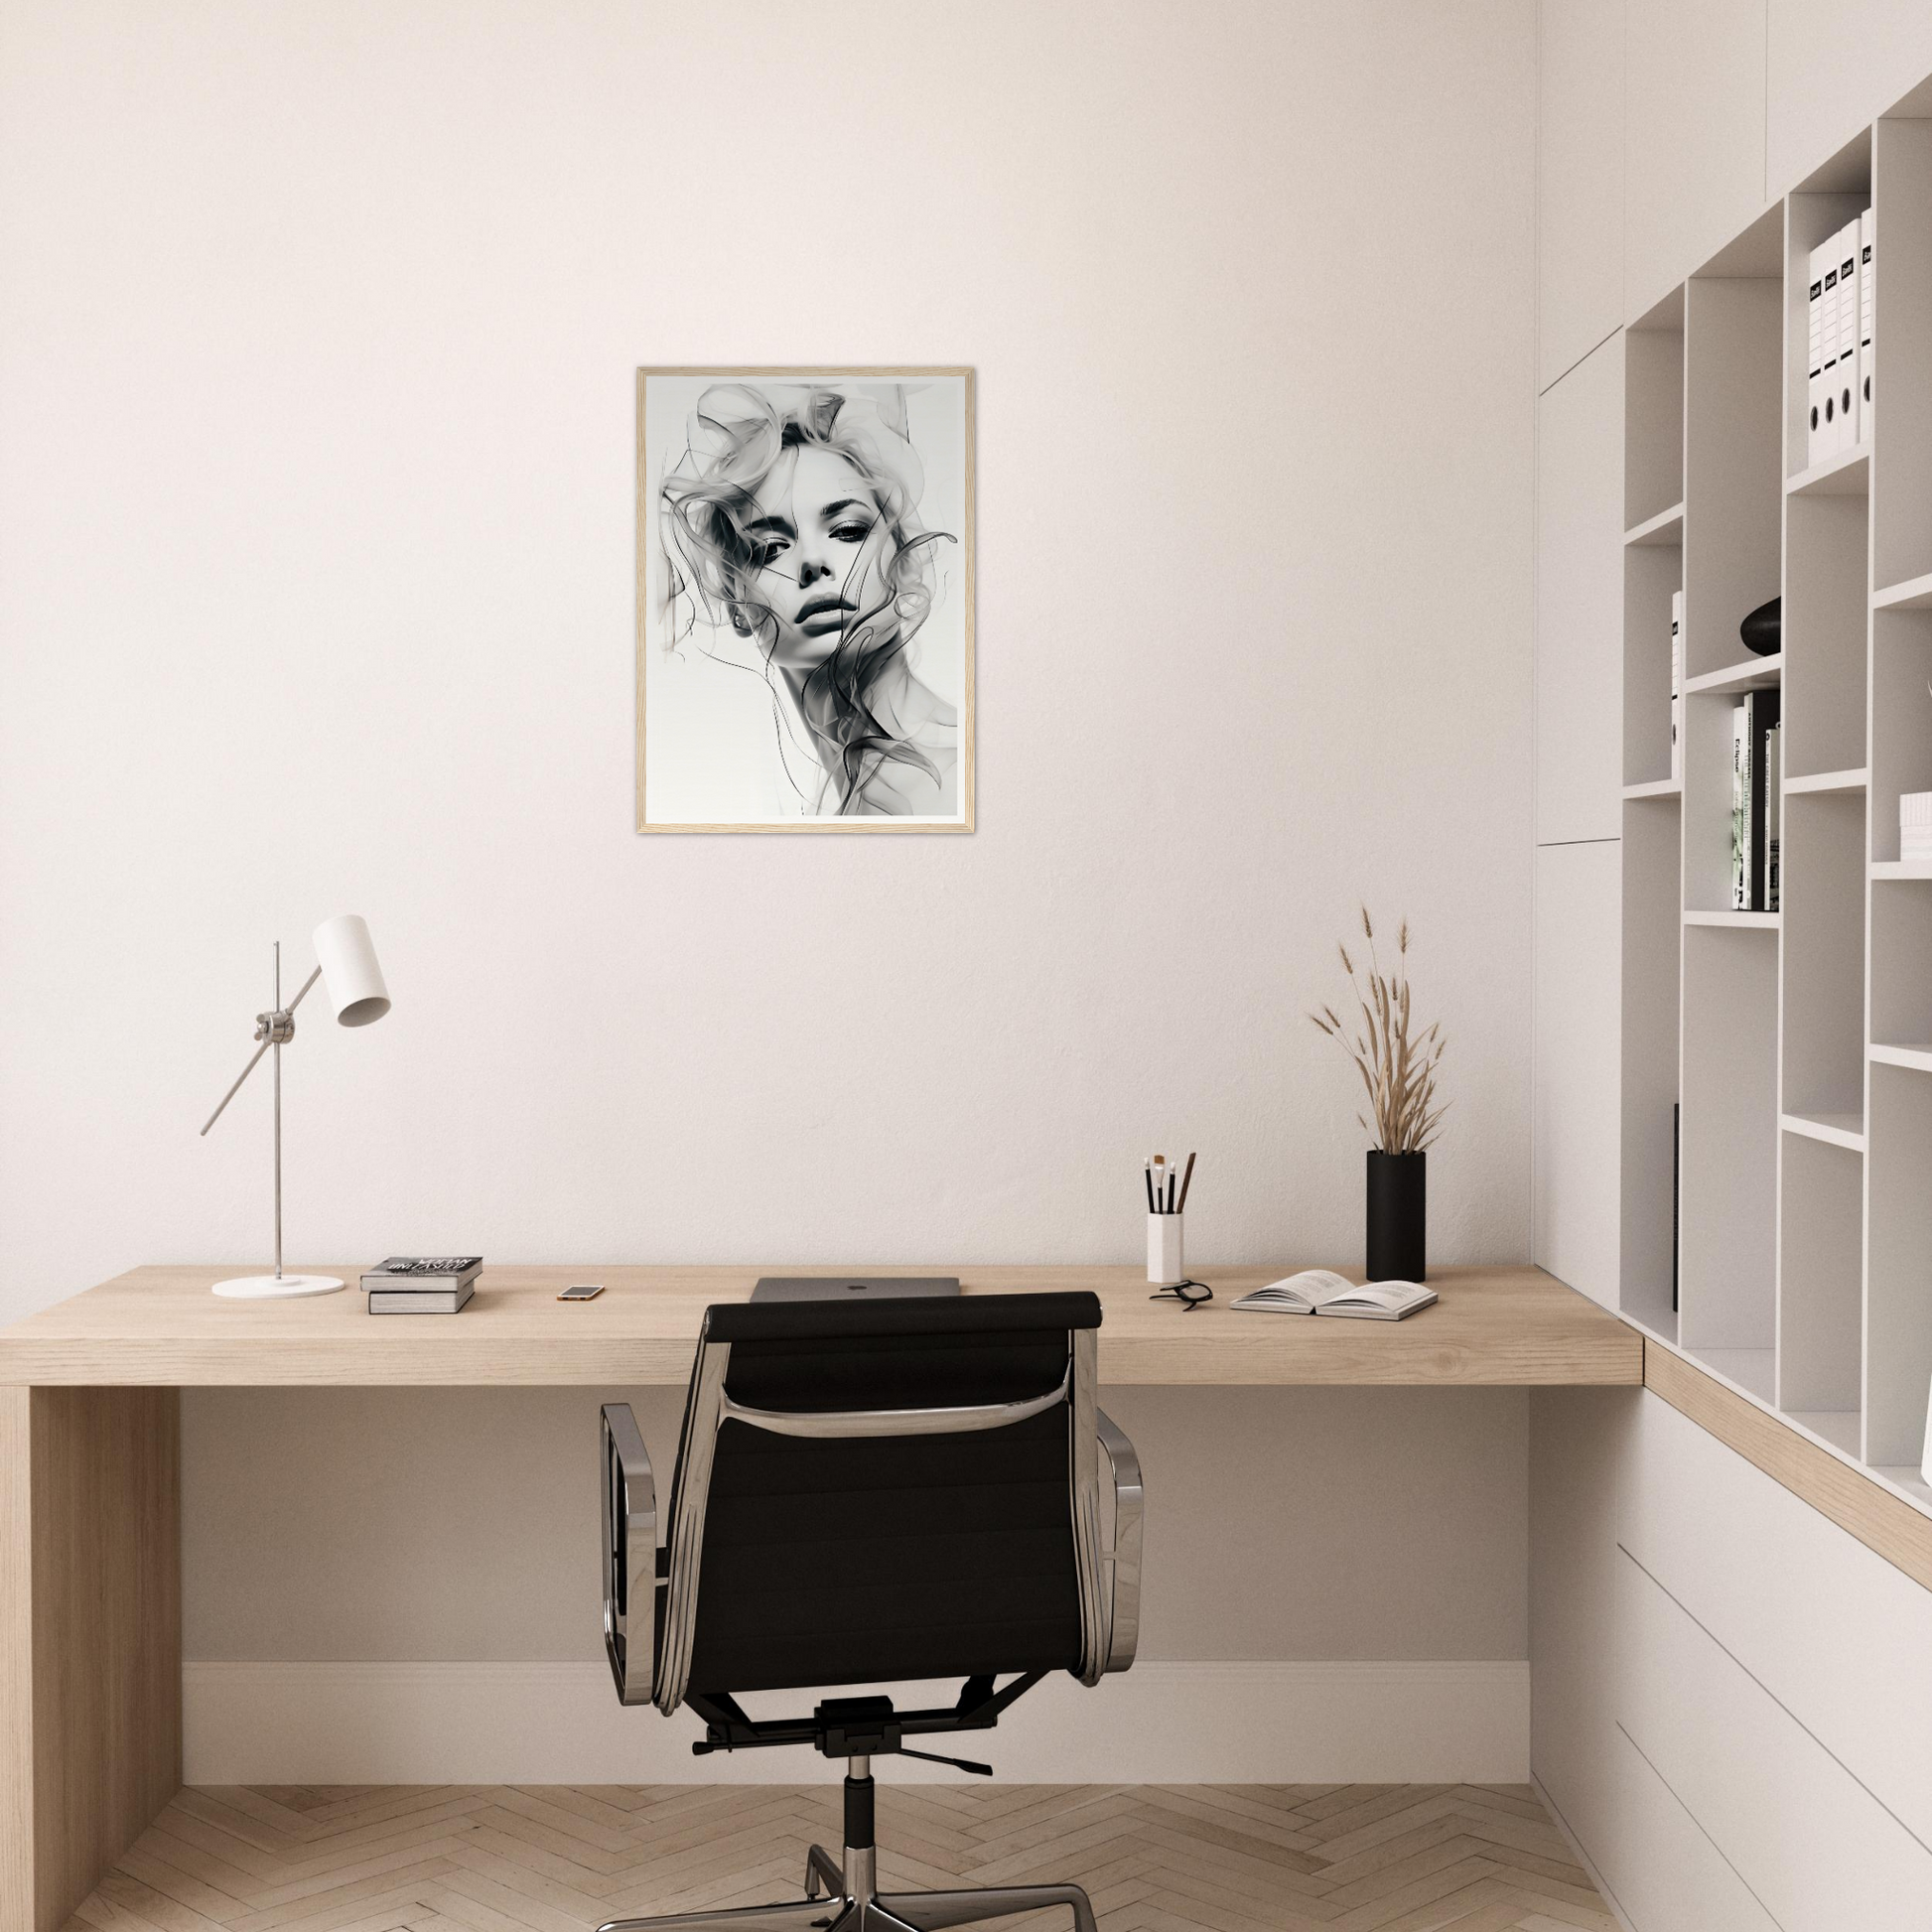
(1399, 1072)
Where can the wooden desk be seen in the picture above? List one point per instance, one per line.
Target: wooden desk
(89, 1461)
(161, 1328)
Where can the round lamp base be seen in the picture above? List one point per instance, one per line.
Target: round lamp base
(276, 1288)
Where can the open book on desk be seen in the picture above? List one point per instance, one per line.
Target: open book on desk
(1320, 1291)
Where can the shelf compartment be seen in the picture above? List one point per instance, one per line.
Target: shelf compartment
(1752, 1369)
(1826, 781)
(1835, 1130)
(1826, 577)
(1733, 470)
(1901, 964)
(1821, 1257)
(1901, 869)
(1823, 922)
(1906, 1480)
(1753, 674)
(1653, 414)
(1843, 1429)
(1814, 213)
(1735, 922)
(1848, 474)
(1728, 1239)
(1915, 594)
(1901, 719)
(1901, 460)
(1898, 1296)
(1650, 577)
(1664, 531)
(1653, 939)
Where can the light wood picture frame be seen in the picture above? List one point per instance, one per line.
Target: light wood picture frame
(804, 657)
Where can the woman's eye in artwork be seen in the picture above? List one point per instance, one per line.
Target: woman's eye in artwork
(852, 532)
(768, 552)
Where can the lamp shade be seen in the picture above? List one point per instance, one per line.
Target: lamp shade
(350, 975)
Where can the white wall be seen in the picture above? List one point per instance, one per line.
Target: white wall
(317, 340)
(315, 459)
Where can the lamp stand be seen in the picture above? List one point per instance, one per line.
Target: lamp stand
(274, 1029)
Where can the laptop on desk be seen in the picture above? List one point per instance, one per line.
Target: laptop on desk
(851, 1288)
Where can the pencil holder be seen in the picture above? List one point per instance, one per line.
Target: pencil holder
(1163, 1249)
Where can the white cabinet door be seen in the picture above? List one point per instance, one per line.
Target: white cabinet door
(1579, 602)
(1579, 180)
(1693, 137)
(1575, 1201)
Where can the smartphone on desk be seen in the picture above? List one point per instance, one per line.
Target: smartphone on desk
(582, 1292)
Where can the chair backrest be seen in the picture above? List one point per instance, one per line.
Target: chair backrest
(885, 1491)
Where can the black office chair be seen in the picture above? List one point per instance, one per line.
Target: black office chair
(865, 1494)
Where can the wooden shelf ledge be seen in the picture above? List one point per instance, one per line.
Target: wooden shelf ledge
(1858, 1498)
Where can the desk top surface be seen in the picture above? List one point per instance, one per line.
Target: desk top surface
(159, 1327)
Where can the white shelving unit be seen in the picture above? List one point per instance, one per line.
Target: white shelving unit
(1797, 1043)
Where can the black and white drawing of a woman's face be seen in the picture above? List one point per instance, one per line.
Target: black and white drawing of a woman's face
(822, 550)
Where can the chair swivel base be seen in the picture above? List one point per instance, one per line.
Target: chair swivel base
(849, 1904)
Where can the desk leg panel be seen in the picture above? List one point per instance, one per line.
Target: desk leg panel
(89, 1638)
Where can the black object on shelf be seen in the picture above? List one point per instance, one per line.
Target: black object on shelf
(1676, 1192)
(1398, 1217)
(1763, 630)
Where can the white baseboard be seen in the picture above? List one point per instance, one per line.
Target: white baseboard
(561, 1724)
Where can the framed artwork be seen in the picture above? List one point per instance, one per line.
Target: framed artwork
(804, 600)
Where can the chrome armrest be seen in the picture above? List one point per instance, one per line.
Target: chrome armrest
(630, 1554)
(1124, 1559)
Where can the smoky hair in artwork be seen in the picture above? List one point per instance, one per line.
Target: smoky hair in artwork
(794, 550)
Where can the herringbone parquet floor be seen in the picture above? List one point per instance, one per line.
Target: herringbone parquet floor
(563, 1858)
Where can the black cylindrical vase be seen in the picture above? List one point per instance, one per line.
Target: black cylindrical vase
(1398, 1217)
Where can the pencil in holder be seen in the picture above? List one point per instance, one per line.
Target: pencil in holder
(1165, 1263)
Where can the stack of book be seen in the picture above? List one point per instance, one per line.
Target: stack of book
(1754, 803)
(422, 1284)
(1839, 362)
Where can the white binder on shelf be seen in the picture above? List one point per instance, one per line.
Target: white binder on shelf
(1676, 686)
(1848, 335)
(1866, 305)
(1817, 309)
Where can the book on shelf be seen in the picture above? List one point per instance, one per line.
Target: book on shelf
(1740, 811)
(1847, 393)
(1815, 357)
(1761, 719)
(1677, 687)
(1751, 817)
(1773, 808)
(1320, 1291)
(422, 1274)
(420, 1301)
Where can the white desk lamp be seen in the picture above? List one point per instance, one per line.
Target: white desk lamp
(345, 965)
